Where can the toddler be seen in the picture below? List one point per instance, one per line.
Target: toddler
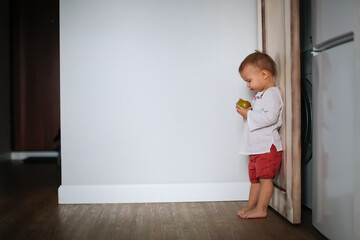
(261, 138)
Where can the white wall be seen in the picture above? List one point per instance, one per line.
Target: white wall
(148, 92)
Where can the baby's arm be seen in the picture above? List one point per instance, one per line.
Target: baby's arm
(259, 119)
(267, 116)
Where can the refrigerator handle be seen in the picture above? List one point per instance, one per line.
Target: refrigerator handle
(333, 42)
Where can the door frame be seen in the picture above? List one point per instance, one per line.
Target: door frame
(279, 36)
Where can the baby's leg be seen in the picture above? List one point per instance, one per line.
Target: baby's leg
(265, 194)
(253, 199)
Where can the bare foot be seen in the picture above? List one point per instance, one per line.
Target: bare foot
(255, 213)
(245, 210)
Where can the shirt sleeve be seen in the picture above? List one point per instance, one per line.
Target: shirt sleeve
(267, 114)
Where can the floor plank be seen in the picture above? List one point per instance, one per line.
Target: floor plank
(29, 210)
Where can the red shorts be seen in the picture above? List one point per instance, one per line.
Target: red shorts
(265, 165)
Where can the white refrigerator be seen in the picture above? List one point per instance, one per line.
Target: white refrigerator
(334, 118)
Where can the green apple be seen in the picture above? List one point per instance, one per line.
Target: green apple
(243, 103)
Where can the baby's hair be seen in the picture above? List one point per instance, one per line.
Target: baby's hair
(261, 61)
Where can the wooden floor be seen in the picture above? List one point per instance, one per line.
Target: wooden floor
(29, 210)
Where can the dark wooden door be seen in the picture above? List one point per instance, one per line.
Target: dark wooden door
(35, 74)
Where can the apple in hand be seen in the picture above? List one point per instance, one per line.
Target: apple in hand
(243, 103)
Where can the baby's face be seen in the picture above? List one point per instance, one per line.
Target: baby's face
(254, 78)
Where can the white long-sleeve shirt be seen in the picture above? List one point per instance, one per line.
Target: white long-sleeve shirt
(261, 128)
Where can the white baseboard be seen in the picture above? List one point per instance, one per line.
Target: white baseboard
(140, 193)
(21, 155)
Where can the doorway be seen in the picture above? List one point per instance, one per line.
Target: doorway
(35, 76)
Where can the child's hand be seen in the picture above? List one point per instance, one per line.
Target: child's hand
(242, 111)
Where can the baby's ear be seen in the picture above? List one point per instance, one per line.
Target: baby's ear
(265, 74)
